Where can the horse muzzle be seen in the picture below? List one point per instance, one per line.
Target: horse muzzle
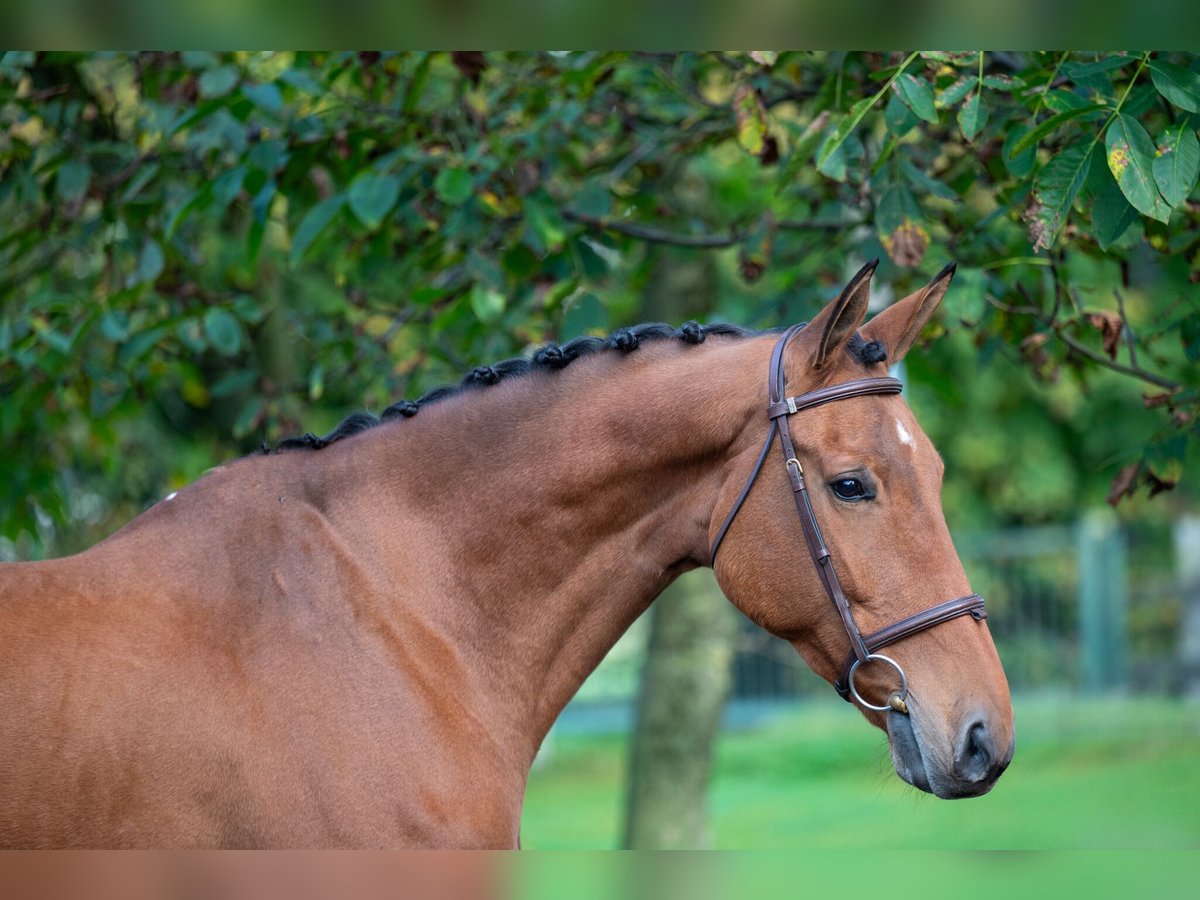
(969, 770)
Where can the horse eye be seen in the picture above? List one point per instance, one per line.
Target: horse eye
(849, 489)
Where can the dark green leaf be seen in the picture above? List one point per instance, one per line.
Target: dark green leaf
(923, 181)
(917, 96)
(266, 97)
(837, 165)
(972, 116)
(315, 221)
(1189, 332)
(198, 200)
(223, 331)
(114, 325)
(72, 181)
(1177, 163)
(248, 419)
(218, 82)
(842, 131)
(1131, 160)
(1056, 187)
(150, 263)
(234, 383)
(1003, 82)
(372, 197)
(1078, 70)
(1179, 85)
(900, 119)
(1111, 213)
(953, 94)
(139, 345)
(454, 186)
(1038, 132)
(228, 185)
(1019, 164)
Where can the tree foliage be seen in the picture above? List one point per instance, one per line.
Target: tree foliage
(201, 251)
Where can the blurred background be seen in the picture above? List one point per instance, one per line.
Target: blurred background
(204, 252)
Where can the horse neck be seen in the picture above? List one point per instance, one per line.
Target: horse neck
(554, 508)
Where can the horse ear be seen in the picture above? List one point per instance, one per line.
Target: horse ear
(898, 326)
(841, 318)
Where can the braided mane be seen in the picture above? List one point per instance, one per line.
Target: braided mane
(550, 357)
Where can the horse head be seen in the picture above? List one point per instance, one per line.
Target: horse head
(880, 568)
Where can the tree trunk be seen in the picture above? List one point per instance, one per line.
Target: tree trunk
(685, 682)
(686, 675)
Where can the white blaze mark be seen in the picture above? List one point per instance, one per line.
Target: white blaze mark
(171, 496)
(905, 437)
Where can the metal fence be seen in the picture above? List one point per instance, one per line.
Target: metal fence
(1085, 607)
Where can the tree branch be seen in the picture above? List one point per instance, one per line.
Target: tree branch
(654, 235)
(1083, 350)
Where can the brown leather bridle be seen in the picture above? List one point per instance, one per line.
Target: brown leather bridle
(862, 648)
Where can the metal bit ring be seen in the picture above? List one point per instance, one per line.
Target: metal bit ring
(901, 694)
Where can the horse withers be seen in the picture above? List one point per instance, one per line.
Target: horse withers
(363, 643)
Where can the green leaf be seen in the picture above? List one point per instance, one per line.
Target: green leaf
(234, 383)
(266, 97)
(1003, 82)
(228, 185)
(139, 345)
(544, 221)
(972, 116)
(1111, 213)
(315, 221)
(72, 182)
(150, 263)
(1018, 164)
(249, 417)
(917, 96)
(372, 197)
(837, 166)
(223, 331)
(1179, 85)
(926, 183)
(900, 226)
(1038, 132)
(900, 120)
(751, 118)
(1189, 333)
(1056, 187)
(1177, 163)
(316, 382)
(1077, 70)
(487, 303)
(839, 134)
(454, 186)
(218, 82)
(198, 200)
(951, 95)
(1131, 160)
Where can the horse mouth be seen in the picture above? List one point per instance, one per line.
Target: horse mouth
(906, 752)
(972, 774)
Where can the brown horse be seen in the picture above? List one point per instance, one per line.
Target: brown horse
(365, 645)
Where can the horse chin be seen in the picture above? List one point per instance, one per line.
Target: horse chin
(906, 751)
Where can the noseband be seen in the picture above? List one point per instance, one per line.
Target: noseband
(862, 648)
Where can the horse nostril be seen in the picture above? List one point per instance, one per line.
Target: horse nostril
(975, 753)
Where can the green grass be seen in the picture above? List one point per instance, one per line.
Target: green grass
(1097, 774)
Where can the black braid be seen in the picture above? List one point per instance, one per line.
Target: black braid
(550, 357)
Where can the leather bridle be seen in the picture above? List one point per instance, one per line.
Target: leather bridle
(862, 648)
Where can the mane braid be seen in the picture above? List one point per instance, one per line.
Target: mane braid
(548, 358)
